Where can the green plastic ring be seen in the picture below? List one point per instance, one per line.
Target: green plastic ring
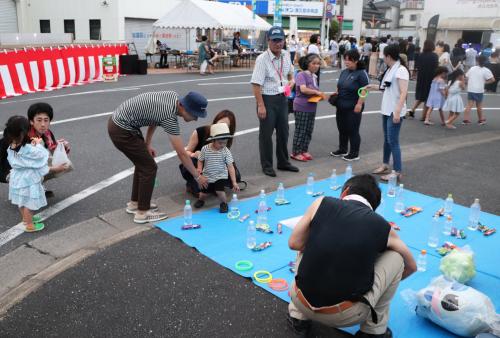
(243, 265)
(360, 90)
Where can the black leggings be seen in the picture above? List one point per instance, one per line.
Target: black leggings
(348, 123)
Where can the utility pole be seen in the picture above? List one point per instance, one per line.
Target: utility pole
(341, 14)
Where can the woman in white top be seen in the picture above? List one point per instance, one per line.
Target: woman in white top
(293, 45)
(445, 60)
(395, 87)
(313, 48)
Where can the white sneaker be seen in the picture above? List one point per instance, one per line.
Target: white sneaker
(132, 207)
(149, 216)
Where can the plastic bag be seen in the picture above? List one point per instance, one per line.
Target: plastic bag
(456, 307)
(60, 157)
(459, 265)
(203, 67)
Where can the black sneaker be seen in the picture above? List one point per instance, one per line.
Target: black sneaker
(223, 208)
(49, 193)
(199, 203)
(387, 334)
(350, 157)
(299, 327)
(338, 153)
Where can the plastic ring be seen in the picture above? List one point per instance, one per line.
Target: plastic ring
(278, 284)
(268, 277)
(243, 265)
(360, 91)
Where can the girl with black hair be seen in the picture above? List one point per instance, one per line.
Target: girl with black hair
(350, 105)
(454, 104)
(394, 84)
(29, 162)
(306, 86)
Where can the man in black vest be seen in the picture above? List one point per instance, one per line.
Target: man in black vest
(350, 262)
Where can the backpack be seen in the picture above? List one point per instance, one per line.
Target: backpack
(342, 49)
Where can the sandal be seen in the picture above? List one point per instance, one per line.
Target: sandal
(428, 123)
(383, 169)
(386, 177)
(34, 227)
(450, 126)
(299, 157)
(466, 122)
(307, 156)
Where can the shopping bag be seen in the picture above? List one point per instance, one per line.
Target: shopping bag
(60, 157)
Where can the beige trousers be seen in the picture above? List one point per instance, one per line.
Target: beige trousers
(388, 271)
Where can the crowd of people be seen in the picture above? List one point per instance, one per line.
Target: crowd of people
(363, 294)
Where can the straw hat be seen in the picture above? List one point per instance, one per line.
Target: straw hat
(219, 131)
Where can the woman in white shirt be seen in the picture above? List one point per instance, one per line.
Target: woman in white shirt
(395, 88)
(313, 48)
(445, 60)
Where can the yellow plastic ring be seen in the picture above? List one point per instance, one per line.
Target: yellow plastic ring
(258, 276)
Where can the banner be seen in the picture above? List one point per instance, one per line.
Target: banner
(277, 21)
(42, 69)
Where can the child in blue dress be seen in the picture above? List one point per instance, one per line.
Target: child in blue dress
(436, 95)
(29, 162)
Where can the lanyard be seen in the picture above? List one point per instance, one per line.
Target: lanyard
(280, 73)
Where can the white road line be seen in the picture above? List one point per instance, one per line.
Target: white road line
(136, 87)
(222, 83)
(18, 229)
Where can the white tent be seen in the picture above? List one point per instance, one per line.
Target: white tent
(192, 14)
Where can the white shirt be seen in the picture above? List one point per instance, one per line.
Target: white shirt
(293, 44)
(476, 77)
(334, 47)
(268, 70)
(358, 198)
(381, 48)
(470, 57)
(313, 49)
(391, 95)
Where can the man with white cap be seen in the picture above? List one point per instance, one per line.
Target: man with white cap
(152, 110)
(273, 77)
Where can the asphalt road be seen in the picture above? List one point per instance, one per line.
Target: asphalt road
(95, 158)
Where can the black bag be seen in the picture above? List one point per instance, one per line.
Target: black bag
(4, 163)
(342, 49)
(333, 100)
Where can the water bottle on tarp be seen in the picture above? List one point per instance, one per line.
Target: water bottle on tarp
(399, 206)
(474, 214)
(434, 234)
(422, 261)
(333, 180)
(251, 232)
(348, 172)
(280, 194)
(310, 184)
(391, 189)
(234, 210)
(188, 213)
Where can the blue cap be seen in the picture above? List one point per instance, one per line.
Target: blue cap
(195, 104)
(276, 32)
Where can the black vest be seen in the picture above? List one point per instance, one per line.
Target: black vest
(345, 239)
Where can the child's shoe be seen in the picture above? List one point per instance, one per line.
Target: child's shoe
(34, 227)
(481, 122)
(223, 208)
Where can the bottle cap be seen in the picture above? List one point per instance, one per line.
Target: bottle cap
(476, 200)
(235, 196)
(423, 252)
(450, 195)
(188, 202)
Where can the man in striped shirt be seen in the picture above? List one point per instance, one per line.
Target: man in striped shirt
(273, 72)
(152, 110)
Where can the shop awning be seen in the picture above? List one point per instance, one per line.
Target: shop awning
(470, 24)
(192, 14)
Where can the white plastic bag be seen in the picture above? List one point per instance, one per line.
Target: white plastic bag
(60, 157)
(456, 307)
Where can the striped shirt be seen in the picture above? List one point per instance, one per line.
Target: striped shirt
(271, 72)
(215, 162)
(149, 109)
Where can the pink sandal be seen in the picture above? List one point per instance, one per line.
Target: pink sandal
(307, 156)
(299, 157)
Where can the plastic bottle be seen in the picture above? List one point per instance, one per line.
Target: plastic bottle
(251, 239)
(234, 209)
(262, 213)
(262, 196)
(188, 213)
(434, 234)
(391, 189)
(399, 206)
(475, 212)
(333, 179)
(280, 194)
(422, 261)
(448, 224)
(448, 205)
(310, 184)
(348, 172)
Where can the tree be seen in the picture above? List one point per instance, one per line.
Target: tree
(334, 29)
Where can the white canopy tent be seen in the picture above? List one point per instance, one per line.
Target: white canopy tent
(192, 14)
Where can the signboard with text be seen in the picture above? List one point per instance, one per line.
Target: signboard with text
(277, 20)
(299, 8)
(109, 69)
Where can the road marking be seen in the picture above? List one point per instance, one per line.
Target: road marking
(222, 83)
(18, 229)
(136, 87)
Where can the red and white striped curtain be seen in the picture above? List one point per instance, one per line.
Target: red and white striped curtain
(40, 69)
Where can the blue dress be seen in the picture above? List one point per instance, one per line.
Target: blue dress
(29, 166)
(436, 99)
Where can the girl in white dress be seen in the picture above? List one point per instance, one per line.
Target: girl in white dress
(454, 103)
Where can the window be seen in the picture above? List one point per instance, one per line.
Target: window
(95, 29)
(44, 26)
(401, 17)
(69, 27)
(347, 25)
(413, 17)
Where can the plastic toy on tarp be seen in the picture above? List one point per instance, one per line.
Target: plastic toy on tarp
(455, 307)
(459, 265)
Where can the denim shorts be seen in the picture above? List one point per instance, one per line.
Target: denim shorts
(478, 97)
